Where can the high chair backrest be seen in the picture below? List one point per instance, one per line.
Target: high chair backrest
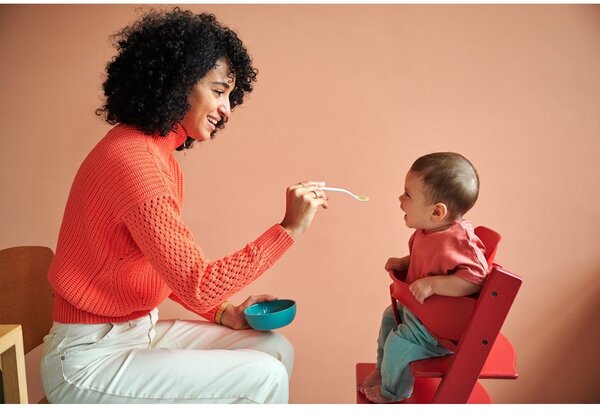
(490, 239)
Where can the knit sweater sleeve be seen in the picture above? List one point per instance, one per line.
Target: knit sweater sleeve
(208, 315)
(198, 283)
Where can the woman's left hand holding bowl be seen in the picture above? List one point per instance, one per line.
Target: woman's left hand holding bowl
(233, 316)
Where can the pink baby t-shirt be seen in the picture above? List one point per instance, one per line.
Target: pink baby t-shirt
(455, 250)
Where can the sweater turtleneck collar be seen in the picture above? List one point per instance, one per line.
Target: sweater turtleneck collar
(173, 140)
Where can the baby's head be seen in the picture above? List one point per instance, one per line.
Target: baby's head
(439, 189)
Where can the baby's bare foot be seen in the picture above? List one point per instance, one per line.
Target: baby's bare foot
(374, 395)
(373, 379)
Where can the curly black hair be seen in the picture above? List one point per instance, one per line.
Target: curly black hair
(160, 59)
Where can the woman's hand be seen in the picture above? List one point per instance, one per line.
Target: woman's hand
(302, 201)
(233, 316)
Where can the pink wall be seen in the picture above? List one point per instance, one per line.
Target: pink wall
(352, 95)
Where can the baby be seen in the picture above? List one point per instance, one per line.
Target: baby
(446, 258)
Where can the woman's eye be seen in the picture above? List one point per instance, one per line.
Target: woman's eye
(219, 92)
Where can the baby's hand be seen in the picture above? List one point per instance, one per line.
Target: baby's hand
(421, 289)
(395, 264)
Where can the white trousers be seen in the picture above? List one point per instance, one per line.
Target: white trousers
(151, 361)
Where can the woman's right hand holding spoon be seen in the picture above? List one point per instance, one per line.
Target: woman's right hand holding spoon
(302, 201)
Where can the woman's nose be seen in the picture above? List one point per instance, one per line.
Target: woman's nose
(225, 110)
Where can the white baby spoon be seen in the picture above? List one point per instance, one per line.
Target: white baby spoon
(359, 197)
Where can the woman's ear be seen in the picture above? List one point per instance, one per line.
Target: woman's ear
(439, 212)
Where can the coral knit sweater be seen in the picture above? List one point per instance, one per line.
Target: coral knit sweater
(123, 248)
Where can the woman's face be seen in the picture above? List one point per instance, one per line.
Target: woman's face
(209, 102)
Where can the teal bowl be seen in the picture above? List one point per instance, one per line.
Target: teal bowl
(270, 315)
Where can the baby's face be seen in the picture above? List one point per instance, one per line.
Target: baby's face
(414, 202)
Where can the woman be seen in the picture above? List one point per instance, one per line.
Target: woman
(123, 248)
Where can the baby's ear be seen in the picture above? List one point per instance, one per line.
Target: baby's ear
(439, 212)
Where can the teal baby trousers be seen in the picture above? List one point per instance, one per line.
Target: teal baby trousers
(400, 344)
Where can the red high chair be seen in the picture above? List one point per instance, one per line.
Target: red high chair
(470, 326)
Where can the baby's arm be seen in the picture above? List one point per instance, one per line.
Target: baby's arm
(449, 285)
(397, 264)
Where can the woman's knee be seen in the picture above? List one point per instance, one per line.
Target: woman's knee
(280, 347)
(271, 380)
(274, 369)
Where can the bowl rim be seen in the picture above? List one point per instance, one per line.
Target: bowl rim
(292, 305)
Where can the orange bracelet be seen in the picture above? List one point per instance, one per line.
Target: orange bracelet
(220, 311)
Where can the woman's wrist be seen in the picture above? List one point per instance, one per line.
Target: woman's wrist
(294, 233)
(220, 311)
